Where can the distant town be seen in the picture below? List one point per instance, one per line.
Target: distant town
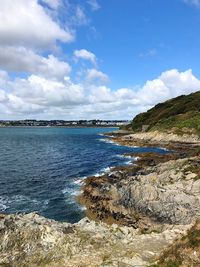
(63, 123)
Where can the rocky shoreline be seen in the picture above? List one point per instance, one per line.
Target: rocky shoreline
(134, 212)
(157, 188)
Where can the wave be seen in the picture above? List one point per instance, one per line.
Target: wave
(130, 159)
(79, 181)
(21, 203)
(3, 205)
(124, 156)
(106, 140)
(103, 171)
(71, 191)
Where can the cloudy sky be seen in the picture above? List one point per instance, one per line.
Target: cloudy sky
(103, 59)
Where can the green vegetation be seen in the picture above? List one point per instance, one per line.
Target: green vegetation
(182, 114)
(193, 238)
(182, 252)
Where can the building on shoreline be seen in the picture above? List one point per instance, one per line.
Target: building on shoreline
(63, 123)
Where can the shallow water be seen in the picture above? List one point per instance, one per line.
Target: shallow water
(41, 169)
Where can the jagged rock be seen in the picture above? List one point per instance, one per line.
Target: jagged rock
(32, 240)
(167, 192)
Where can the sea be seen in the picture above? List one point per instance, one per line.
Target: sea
(42, 169)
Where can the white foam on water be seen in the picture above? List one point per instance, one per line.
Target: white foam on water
(124, 156)
(80, 180)
(17, 201)
(3, 205)
(105, 140)
(103, 171)
(129, 162)
(71, 191)
(75, 190)
(83, 208)
(65, 190)
(76, 193)
(164, 148)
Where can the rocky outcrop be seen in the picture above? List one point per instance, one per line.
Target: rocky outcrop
(156, 189)
(32, 240)
(168, 192)
(163, 137)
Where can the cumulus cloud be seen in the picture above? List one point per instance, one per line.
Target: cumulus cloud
(49, 92)
(29, 33)
(85, 54)
(168, 85)
(25, 23)
(96, 75)
(40, 97)
(20, 59)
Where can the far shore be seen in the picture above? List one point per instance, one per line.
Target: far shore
(70, 126)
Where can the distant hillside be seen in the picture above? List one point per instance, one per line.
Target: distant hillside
(180, 114)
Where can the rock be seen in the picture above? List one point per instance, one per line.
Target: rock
(32, 240)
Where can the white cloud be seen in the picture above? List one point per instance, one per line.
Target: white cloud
(79, 17)
(168, 85)
(20, 59)
(25, 23)
(2, 96)
(101, 94)
(54, 4)
(93, 4)
(96, 75)
(85, 54)
(46, 92)
(3, 77)
(195, 3)
(41, 97)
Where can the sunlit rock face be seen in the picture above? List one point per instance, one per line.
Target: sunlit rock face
(32, 240)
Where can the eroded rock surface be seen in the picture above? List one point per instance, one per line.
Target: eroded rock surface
(168, 192)
(32, 240)
(163, 137)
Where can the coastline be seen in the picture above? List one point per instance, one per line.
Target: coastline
(71, 126)
(100, 194)
(134, 213)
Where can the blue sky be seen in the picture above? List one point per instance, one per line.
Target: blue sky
(106, 59)
(136, 40)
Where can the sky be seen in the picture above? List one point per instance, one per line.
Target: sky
(96, 59)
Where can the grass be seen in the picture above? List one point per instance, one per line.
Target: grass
(180, 113)
(194, 238)
(181, 253)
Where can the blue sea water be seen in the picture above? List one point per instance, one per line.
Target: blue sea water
(41, 169)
